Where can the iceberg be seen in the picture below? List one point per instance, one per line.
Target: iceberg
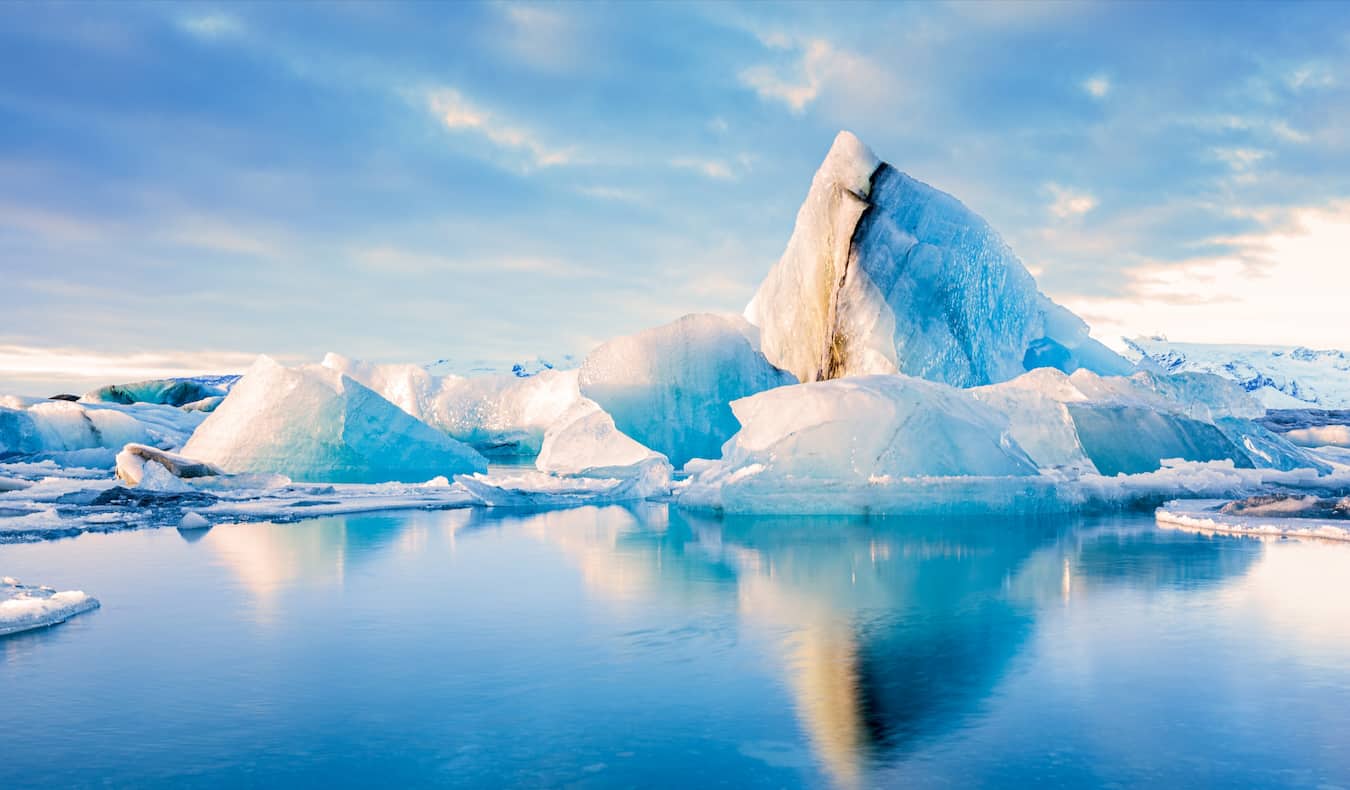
(670, 388)
(24, 607)
(885, 274)
(315, 424)
(585, 442)
(802, 447)
(171, 392)
(499, 415)
(88, 433)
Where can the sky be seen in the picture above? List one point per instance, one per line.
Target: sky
(184, 186)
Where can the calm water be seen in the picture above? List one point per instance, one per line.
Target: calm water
(620, 647)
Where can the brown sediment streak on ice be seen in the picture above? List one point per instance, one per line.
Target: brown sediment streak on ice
(834, 356)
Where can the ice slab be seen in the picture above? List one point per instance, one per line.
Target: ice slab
(670, 388)
(531, 489)
(1281, 517)
(25, 607)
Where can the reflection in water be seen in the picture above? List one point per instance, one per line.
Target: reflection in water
(894, 630)
(269, 557)
(890, 632)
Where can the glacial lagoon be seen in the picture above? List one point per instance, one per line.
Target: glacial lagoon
(647, 646)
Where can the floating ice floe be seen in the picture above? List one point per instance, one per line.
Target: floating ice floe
(1285, 516)
(670, 388)
(25, 607)
(531, 489)
(316, 424)
(886, 274)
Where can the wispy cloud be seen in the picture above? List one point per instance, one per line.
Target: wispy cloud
(817, 64)
(212, 25)
(712, 168)
(405, 261)
(35, 363)
(1068, 203)
(1097, 86)
(458, 114)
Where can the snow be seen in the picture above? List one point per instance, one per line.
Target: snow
(1284, 520)
(501, 414)
(24, 607)
(1282, 377)
(670, 388)
(886, 274)
(315, 424)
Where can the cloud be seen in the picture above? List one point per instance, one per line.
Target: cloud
(1240, 158)
(1280, 287)
(37, 369)
(404, 261)
(458, 114)
(818, 65)
(212, 26)
(1097, 86)
(711, 168)
(1069, 203)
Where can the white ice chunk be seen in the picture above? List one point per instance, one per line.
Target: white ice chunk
(670, 388)
(24, 607)
(584, 441)
(316, 424)
(131, 464)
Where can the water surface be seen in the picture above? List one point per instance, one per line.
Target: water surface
(645, 646)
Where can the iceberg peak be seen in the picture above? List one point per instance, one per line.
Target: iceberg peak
(886, 274)
(849, 164)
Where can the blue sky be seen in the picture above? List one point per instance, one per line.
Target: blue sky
(185, 185)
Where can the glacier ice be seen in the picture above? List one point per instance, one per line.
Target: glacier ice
(497, 414)
(315, 424)
(885, 274)
(171, 391)
(24, 607)
(585, 442)
(1044, 441)
(670, 388)
(89, 433)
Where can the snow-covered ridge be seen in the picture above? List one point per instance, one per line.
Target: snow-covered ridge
(1282, 377)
